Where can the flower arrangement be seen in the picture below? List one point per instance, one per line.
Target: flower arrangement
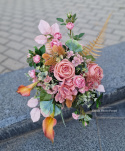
(63, 75)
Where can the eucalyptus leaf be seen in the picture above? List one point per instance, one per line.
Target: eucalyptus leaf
(47, 108)
(80, 35)
(73, 45)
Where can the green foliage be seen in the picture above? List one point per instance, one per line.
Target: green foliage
(90, 57)
(60, 19)
(40, 51)
(44, 96)
(98, 102)
(73, 45)
(47, 107)
(77, 37)
(63, 24)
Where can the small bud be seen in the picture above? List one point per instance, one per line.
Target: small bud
(69, 15)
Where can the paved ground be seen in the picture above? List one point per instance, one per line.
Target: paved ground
(19, 20)
(106, 132)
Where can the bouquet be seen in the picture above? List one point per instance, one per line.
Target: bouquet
(63, 75)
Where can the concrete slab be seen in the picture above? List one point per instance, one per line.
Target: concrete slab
(73, 137)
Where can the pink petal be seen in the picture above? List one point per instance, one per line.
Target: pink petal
(32, 102)
(35, 114)
(44, 114)
(44, 27)
(54, 29)
(41, 39)
(100, 88)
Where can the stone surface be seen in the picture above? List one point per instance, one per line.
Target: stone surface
(73, 137)
(19, 24)
(112, 134)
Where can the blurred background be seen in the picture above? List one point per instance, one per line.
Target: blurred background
(19, 21)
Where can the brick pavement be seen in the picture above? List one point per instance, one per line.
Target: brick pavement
(19, 20)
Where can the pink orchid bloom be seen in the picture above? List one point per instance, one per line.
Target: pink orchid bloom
(45, 30)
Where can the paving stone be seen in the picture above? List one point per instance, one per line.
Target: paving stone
(12, 64)
(4, 34)
(15, 45)
(3, 40)
(14, 54)
(2, 57)
(16, 38)
(16, 31)
(2, 48)
(1, 68)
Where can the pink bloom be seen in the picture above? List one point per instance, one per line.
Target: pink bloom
(29, 55)
(32, 73)
(45, 29)
(100, 88)
(55, 42)
(79, 81)
(64, 70)
(53, 90)
(32, 102)
(59, 98)
(75, 116)
(48, 48)
(70, 54)
(76, 61)
(47, 79)
(70, 25)
(35, 114)
(35, 79)
(57, 36)
(80, 57)
(95, 71)
(36, 59)
(41, 39)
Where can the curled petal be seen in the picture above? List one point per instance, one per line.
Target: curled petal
(44, 27)
(25, 90)
(41, 39)
(48, 124)
(100, 88)
(32, 102)
(35, 114)
(54, 29)
(69, 102)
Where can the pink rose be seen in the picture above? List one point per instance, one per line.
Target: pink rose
(79, 81)
(75, 116)
(59, 98)
(70, 25)
(36, 59)
(57, 36)
(53, 90)
(95, 71)
(64, 70)
(55, 42)
(32, 73)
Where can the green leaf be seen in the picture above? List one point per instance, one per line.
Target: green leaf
(98, 102)
(60, 19)
(63, 24)
(73, 45)
(90, 57)
(44, 96)
(87, 118)
(74, 16)
(31, 52)
(47, 108)
(36, 50)
(42, 50)
(80, 35)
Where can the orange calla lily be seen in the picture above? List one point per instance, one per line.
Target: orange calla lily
(25, 90)
(48, 124)
(69, 102)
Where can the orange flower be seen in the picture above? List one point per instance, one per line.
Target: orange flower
(69, 102)
(48, 124)
(50, 59)
(25, 90)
